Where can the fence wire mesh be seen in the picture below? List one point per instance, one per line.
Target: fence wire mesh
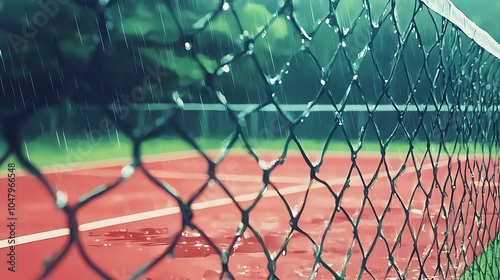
(441, 88)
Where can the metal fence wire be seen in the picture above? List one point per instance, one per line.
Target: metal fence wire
(400, 54)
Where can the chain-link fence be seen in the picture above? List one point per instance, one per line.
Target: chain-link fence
(380, 73)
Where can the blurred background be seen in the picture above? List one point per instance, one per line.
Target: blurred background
(65, 61)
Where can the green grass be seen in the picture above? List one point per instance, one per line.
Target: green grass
(43, 152)
(486, 266)
(48, 152)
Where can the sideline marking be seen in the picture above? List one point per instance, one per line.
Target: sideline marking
(195, 206)
(86, 165)
(201, 176)
(171, 156)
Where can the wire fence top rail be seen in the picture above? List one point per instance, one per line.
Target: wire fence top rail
(448, 10)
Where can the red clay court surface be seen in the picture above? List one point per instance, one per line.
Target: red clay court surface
(131, 225)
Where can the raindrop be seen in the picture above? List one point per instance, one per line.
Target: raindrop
(250, 48)
(227, 58)
(323, 82)
(344, 44)
(243, 36)
(315, 269)
(109, 25)
(241, 229)
(127, 171)
(225, 6)
(295, 210)
(61, 199)
(188, 46)
(223, 69)
(264, 190)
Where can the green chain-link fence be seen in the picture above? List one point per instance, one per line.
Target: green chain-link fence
(412, 76)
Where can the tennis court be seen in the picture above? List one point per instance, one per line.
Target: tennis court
(135, 223)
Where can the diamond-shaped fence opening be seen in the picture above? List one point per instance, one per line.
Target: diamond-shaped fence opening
(248, 139)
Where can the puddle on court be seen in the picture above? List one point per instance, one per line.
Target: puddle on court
(247, 258)
(190, 244)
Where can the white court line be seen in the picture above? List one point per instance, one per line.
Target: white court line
(195, 206)
(201, 176)
(86, 165)
(171, 156)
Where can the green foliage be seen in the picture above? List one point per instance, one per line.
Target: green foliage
(33, 46)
